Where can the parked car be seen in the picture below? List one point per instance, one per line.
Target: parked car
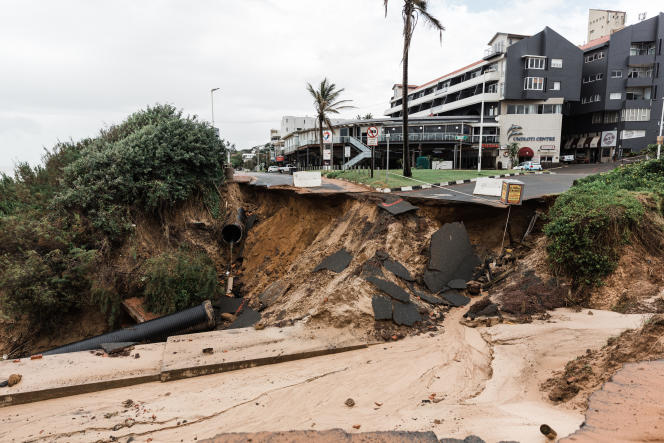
(567, 158)
(286, 168)
(273, 169)
(529, 166)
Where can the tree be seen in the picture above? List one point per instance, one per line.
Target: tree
(513, 152)
(367, 116)
(412, 11)
(326, 101)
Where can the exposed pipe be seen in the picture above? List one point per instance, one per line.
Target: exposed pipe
(233, 230)
(201, 316)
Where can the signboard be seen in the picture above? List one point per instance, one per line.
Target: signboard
(327, 136)
(372, 136)
(346, 151)
(548, 148)
(609, 138)
(461, 137)
(512, 192)
(280, 158)
(307, 179)
(327, 154)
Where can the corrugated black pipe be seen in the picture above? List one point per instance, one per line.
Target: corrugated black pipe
(159, 328)
(234, 228)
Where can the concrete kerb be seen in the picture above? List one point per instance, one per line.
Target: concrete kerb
(452, 183)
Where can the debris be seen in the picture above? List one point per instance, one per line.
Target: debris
(435, 280)
(208, 351)
(382, 307)
(349, 402)
(357, 426)
(398, 269)
(116, 348)
(251, 221)
(36, 357)
(474, 287)
(4, 383)
(397, 206)
(128, 403)
(135, 307)
(457, 284)
(246, 319)
(390, 289)
(137, 355)
(405, 313)
(548, 432)
(227, 305)
(379, 404)
(273, 292)
(455, 299)
(227, 317)
(336, 262)
(451, 253)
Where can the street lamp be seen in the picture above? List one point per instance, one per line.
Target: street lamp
(212, 102)
(387, 162)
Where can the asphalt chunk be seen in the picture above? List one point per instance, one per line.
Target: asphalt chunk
(228, 305)
(398, 206)
(405, 313)
(394, 291)
(457, 283)
(435, 281)
(452, 254)
(454, 298)
(336, 262)
(431, 299)
(112, 348)
(382, 307)
(248, 318)
(397, 269)
(273, 292)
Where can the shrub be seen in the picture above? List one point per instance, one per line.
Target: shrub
(152, 161)
(588, 225)
(176, 281)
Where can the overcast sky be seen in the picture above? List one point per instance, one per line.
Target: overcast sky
(68, 68)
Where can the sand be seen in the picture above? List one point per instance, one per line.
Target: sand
(487, 380)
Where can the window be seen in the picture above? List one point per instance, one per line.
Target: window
(556, 62)
(615, 96)
(555, 86)
(611, 117)
(616, 74)
(593, 57)
(534, 109)
(536, 63)
(533, 83)
(635, 115)
(597, 118)
(597, 98)
(599, 76)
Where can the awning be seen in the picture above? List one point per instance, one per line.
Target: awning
(575, 142)
(595, 142)
(568, 143)
(526, 152)
(586, 143)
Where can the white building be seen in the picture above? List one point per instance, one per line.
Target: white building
(603, 22)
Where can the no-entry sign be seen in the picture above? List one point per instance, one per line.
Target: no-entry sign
(372, 136)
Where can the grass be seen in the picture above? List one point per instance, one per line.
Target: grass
(395, 178)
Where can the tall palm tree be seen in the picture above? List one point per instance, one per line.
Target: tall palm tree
(326, 101)
(412, 11)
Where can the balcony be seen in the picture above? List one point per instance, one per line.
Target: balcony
(495, 51)
(635, 82)
(641, 60)
(639, 103)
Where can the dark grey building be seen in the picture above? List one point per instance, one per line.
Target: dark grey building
(621, 94)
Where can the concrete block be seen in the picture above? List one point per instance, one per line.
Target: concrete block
(307, 179)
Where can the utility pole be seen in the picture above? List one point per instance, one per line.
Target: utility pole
(212, 102)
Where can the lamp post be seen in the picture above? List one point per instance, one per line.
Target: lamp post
(212, 102)
(479, 153)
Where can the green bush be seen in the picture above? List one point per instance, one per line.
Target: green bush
(152, 161)
(588, 225)
(176, 281)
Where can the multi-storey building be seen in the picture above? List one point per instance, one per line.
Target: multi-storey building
(603, 22)
(524, 84)
(621, 94)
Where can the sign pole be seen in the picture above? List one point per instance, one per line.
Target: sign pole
(661, 125)
(387, 162)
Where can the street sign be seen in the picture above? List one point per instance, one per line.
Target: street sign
(347, 151)
(372, 136)
(327, 136)
(461, 137)
(512, 192)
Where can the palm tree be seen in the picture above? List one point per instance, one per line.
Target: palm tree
(326, 101)
(412, 11)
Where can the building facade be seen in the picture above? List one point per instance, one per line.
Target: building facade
(604, 22)
(524, 83)
(621, 94)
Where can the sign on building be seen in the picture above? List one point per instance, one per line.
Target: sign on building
(372, 136)
(346, 151)
(327, 136)
(327, 154)
(609, 139)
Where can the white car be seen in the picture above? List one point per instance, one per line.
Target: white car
(273, 169)
(529, 166)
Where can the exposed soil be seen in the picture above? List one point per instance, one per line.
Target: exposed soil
(588, 372)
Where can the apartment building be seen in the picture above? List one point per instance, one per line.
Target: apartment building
(621, 94)
(525, 84)
(604, 22)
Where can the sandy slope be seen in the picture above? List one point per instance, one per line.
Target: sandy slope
(488, 380)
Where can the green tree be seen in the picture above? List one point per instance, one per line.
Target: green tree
(411, 12)
(326, 102)
(367, 116)
(513, 152)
